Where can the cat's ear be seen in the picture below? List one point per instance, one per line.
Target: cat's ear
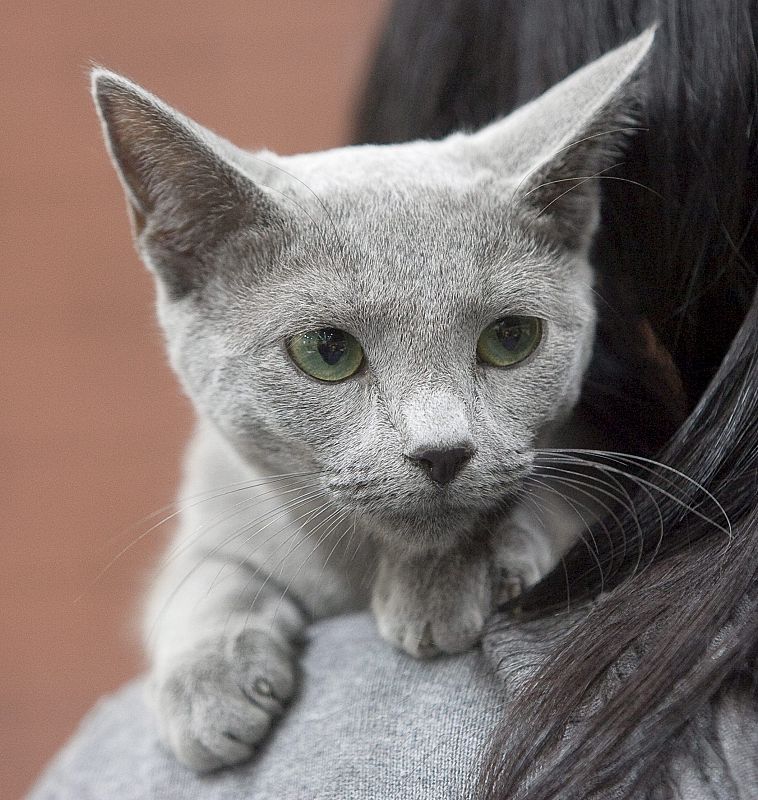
(184, 195)
(560, 145)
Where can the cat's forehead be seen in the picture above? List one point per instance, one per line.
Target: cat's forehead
(420, 256)
(409, 232)
(416, 203)
(401, 239)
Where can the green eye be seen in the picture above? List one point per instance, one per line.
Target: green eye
(509, 340)
(327, 354)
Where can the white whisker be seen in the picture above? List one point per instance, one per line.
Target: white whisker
(592, 549)
(201, 497)
(648, 463)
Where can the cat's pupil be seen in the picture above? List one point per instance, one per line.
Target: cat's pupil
(331, 345)
(510, 336)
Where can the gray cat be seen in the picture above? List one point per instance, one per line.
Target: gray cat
(376, 340)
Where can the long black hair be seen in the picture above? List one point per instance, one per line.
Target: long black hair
(671, 587)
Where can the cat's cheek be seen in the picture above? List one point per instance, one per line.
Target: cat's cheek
(519, 403)
(329, 426)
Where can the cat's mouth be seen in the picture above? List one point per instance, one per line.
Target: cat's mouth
(413, 498)
(432, 500)
(439, 515)
(412, 509)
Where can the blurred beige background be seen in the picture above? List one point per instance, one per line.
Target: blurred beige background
(91, 420)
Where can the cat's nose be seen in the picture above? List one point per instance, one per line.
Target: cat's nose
(442, 464)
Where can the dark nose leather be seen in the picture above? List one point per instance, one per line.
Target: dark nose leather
(442, 464)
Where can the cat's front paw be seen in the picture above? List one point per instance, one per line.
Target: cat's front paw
(524, 552)
(427, 607)
(216, 702)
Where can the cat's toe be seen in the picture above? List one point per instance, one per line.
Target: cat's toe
(460, 632)
(219, 702)
(424, 632)
(215, 731)
(264, 668)
(427, 637)
(419, 640)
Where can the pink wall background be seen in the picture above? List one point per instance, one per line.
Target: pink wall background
(91, 420)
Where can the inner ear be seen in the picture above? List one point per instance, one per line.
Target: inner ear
(562, 191)
(184, 195)
(560, 146)
(561, 197)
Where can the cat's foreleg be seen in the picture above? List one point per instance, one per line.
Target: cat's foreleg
(229, 605)
(221, 636)
(440, 602)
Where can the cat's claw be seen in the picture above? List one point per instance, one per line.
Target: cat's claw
(218, 701)
(511, 587)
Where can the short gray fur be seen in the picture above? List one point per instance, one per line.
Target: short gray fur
(413, 249)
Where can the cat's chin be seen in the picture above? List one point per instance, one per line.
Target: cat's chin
(431, 531)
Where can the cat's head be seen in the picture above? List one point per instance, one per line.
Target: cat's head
(404, 319)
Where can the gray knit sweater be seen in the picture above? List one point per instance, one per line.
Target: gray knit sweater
(370, 723)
